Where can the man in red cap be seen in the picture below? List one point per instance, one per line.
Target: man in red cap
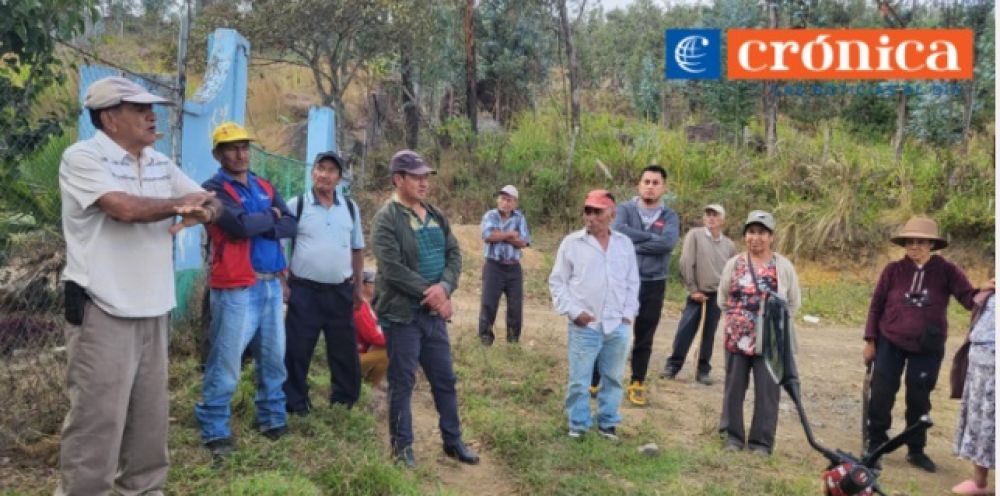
(595, 284)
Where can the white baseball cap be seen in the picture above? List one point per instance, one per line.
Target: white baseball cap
(715, 207)
(114, 90)
(509, 190)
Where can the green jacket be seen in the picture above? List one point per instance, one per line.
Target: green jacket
(398, 286)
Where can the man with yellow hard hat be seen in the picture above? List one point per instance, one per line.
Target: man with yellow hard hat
(245, 292)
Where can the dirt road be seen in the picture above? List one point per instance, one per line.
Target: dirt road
(686, 412)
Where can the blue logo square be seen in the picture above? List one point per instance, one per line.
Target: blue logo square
(693, 54)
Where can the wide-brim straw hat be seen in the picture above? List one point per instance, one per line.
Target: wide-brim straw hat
(920, 228)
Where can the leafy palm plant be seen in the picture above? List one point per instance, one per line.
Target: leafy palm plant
(31, 202)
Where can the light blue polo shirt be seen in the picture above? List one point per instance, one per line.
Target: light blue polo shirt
(325, 239)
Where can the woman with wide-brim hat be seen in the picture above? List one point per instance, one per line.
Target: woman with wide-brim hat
(907, 328)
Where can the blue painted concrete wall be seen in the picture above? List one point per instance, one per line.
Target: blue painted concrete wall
(321, 136)
(221, 97)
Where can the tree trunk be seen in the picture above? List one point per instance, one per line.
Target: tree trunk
(969, 101)
(664, 107)
(770, 99)
(411, 108)
(900, 136)
(574, 76)
(496, 101)
(470, 66)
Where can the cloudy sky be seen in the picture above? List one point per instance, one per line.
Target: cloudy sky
(613, 4)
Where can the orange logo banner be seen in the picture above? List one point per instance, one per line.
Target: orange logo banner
(849, 54)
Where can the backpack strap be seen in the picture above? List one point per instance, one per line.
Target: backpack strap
(298, 214)
(350, 208)
(301, 199)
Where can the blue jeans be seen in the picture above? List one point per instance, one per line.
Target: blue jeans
(586, 347)
(241, 317)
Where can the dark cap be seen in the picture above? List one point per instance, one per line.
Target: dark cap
(410, 162)
(331, 155)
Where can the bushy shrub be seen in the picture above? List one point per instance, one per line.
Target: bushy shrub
(831, 190)
(22, 332)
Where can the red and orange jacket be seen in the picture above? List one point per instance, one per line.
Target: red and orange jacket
(368, 331)
(233, 235)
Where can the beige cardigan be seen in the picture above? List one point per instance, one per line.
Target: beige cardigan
(788, 289)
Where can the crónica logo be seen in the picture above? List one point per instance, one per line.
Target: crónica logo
(862, 54)
(693, 53)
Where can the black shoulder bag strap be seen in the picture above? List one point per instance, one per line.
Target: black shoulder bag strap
(298, 213)
(350, 209)
(298, 216)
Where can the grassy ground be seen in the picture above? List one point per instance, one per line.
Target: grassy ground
(517, 411)
(334, 451)
(511, 405)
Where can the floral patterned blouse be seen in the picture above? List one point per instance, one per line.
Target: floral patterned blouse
(744, 303)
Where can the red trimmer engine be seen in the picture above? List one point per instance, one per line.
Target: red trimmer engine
(848, 479)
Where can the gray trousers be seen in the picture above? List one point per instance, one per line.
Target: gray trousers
(498, 279)
(114, 437)
(765, 403)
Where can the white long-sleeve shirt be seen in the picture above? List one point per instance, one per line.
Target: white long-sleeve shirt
(586, 278)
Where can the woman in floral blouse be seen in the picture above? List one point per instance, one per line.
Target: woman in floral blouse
(741, 297)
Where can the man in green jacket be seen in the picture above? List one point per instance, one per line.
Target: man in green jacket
(419, 263)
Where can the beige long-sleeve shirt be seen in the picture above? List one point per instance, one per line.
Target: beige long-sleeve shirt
(702, 259)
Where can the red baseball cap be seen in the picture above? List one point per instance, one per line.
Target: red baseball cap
(599, 198)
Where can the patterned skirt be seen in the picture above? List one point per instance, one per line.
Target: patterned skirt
(974, 437)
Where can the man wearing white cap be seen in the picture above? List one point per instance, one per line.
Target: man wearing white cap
(706, 250)
(119, 198)
(505, 234)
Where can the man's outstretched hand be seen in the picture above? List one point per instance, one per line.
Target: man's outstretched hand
(196, 208)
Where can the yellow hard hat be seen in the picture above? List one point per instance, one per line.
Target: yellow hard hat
(228, 132)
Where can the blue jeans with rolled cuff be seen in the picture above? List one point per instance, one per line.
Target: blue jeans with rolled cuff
(241, 317)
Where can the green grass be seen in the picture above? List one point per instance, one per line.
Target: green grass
(515, 407)
(333, 451)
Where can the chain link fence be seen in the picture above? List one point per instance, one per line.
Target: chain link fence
(286, 174)
(32, 255)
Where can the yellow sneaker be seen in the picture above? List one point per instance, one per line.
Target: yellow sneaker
(636, 393)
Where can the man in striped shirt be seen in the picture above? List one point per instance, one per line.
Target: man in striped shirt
(505, 233)
(419, 263)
